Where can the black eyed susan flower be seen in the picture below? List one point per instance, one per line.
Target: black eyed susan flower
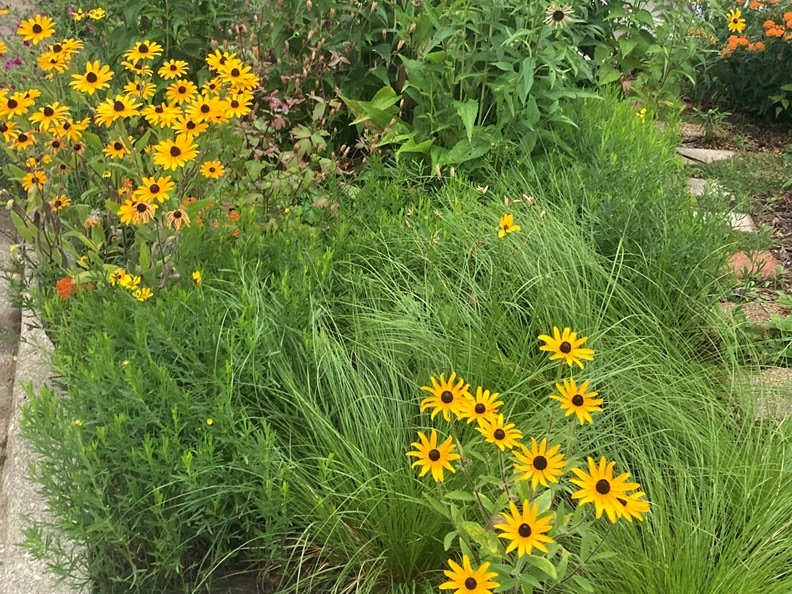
(50, 116)
(138, 67)
(197, 278)
(161, 115)
(49, 61)
(502, 434)
(116, 149)
(15, 105)
(566, 346)
(173, 69)
(34, 178)
(136, 212)
(143, 50)
(181, 91)
(78, 149)
(36, 29)
(116, 276)
(129, 282)
(600, 488)
(633, 505)
(525, 530)
(506, 225)
(217, 59)
(212, 86)
(558, 16)
(431, 456)
(446, 396)
(96, 76)
(154, 189)
(212, 169)
(239, 104)
(140, 88)
(8, 130)
(202, 109)
(72, 130)
(466, 580)
(575, 399)
(111, 110)
(59, 203)
(540, 465)
(178, 217)
(483, 407)
(238, 75)
(172, 154)
(23, 140)
(736, 23)
(69, 46)
(188, 127)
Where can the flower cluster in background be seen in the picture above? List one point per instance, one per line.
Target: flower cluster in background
(528, 491)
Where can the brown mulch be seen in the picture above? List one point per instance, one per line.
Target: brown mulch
(741, 133)
(775, 210)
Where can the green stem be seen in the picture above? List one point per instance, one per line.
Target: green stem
(586, 560)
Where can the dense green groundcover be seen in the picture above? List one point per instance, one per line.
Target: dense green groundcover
(306, 347)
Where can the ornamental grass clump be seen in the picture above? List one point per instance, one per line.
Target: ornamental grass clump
(512, 508)
(115, 161)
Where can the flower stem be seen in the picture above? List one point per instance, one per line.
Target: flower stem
(586, 560)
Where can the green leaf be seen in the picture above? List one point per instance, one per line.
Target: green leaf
(145, 256)
(544, 501)
(608, 74)
(449, 539)
(468, 111)
(466, 150)
(543, 565)
(526, 78)
(436, 505)
(460, 496)
(627, 45)
(26, 230)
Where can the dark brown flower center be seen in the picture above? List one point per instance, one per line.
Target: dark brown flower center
(235, 72)
(505, 226)
(175, 151)
(565, 347)
(66, 125)
(58, 203)
(480, 409)
(205, 108)
(3, 128)
(154, 188)
(57, 48)
(446, 397)
(182, 90)
(524, 530)
(22, 138)
(540, 462)
(602, 487)
(48, 112)
(577, 400)
(212, 170)
(141, 207)
(91, 77)
(499, 434)
(558, 16)
(177, 214)
(119, 106)
(12, 104)
(434, 455)
(55, 144)
(471, 583)
(622, 501)
(77, 147)
(173, 67)
(34, 180)
(37, 29)
(222, 60)
(234, 103)
(159, 109)
(143, 48)
(118, 146)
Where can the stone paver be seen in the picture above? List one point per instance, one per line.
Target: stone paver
(756, 312)
(698, 156)
(772, 389)
(756, 263)
(742, 222)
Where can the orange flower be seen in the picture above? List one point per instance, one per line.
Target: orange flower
(777, 31)
(755, 5)
(788, 19)
(65, 287)
(769, 24)
(759, 46)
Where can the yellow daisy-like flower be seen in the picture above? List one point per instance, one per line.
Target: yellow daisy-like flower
(3, 48)
(154, 189)
(212, 86)
(116, 149)
(96, 76)
(173, 69)
(59, 203)
(136, 212)
(506, 225)
(8, 130)
(566, 346)
(68, 46)
(142, 294)
(238, 75)
(483, 407)
(78, 14)
(502, 434)
(431, 456)
(71, 130)
(540, 465)
(577, 400)
(212, 169)
(172, 154)
(111, 110)
(36, 29)
(23, 140)
(50, 116)
(558, 16)
(641, 114)
(446, 397)
(96, 14)
(161, 115)
(600, 488)
(143, 50)
(178, 217)
(633, 505)
(55, 145)
(197, 278)
(189, 127)
(129, 282)
(181, 91)
(140, 88)
(239, 104)
(34, 178)
(210, 421)
(525, 530)
(736, 23)
(15, 105)
(116, 276)
(50, 61)
(466, 580)
(218, 58)
(202, 109)
(138, 67)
